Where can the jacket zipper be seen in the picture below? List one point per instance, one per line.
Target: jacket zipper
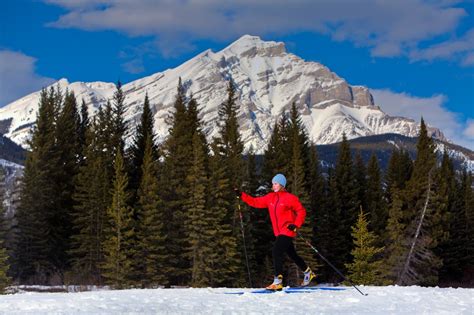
(275, 211)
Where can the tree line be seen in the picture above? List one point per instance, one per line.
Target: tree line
(92, 210)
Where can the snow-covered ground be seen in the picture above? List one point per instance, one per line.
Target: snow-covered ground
(381, 300)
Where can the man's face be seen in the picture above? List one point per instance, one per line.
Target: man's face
(276, 187)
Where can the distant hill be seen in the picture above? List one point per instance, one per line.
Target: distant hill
(383, 145)
(11, 151)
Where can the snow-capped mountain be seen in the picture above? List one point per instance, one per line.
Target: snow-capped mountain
(268, 80)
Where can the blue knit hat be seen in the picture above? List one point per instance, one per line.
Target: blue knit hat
(280, 179)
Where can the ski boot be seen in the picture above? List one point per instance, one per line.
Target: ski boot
(309, 275)
(277, 284)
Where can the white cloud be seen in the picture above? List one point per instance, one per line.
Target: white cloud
(18, 77)
(431, 109)
(462, 48)
(469, 131)
(133, 66)
(388, 28)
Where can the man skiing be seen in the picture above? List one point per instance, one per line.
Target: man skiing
(286, 214)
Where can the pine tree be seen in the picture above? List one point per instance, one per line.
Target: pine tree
(34, 251)
(275, 159)
(365, 268)
(458, 250)
(347, 195)
(330, 235)
(258, 235)
(376, 205)
(317, 200)
(425, 215)
(118, 124)
(150, 260)
(468, 227)
(232, 145)
(117, 247)
(230, 151)
(255, 230)
(298, 144)
(450, 249)
(92, 197)
(360, 173)
(174, 190)
(137, 149)
(201, 223)
(398, 171)
(395, 251)
(228, 268)
(83, 126)
(69, 156)
(5, 280)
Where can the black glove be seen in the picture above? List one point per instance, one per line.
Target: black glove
(237, 192)
(291, 227)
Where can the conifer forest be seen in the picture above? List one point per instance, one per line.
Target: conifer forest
(95, 210)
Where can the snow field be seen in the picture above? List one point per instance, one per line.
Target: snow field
(381, 300)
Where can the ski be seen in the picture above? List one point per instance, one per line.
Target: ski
(289, 290)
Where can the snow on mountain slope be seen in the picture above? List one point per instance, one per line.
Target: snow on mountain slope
(268, 80)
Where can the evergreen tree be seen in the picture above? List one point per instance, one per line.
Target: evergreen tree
(258, 234)
(5, 280)
(458, 250)
(150, 260)
(330, 235)
(347, 194)
(92, 198)
(4, 224)
(365, 268)
(360, 173)
(4, 257)
(69, 156)
(174, 190)
(376, 205)
(83, 126)
(450, 248)
(35, 252)
(201, 222)
(119, 126)
(298, 144)
(228, 267)
(425, 216)
(317, 195)
(468, 236)
(399, 171)
(230, 148)
(230, 139)
(117, 247)
(250, 216)
(395, 251)
(296, 133)
(275, 156)
(137, 149)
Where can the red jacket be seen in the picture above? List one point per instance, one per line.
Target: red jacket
(284, 209)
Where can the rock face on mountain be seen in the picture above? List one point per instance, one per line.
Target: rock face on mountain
(268, 80)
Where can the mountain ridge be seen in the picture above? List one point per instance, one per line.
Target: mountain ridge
(268, 80)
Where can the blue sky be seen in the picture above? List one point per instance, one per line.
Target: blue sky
(417, 57)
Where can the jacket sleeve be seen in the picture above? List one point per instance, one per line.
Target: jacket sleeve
(256, 202)
(300, 212)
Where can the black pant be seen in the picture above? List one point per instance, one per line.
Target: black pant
(284, 244)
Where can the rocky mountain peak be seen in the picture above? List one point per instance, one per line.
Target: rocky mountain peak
(268, 81)
(250, 46)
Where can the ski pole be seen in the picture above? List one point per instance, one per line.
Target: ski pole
(245, 247)
(329, 263)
